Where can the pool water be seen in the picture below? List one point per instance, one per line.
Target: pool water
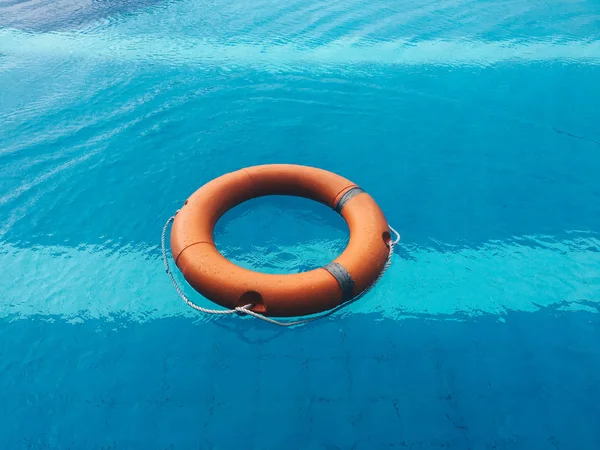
(474, 125)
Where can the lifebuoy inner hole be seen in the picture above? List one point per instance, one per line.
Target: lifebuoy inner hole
(295, 234)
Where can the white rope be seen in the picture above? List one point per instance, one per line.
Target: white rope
(245, 309)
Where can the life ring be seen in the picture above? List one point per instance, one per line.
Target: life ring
(315, 291)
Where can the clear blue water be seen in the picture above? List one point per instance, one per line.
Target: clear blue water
(473, 123)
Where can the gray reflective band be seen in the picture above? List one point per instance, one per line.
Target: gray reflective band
(347, 196)
(343, 278)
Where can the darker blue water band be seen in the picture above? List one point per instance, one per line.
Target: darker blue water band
(343, 278)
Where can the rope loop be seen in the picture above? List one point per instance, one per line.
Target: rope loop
(245, 310)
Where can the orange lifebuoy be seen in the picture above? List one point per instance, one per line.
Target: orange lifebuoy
(318, 290)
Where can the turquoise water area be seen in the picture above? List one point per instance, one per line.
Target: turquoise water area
(474, 124)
